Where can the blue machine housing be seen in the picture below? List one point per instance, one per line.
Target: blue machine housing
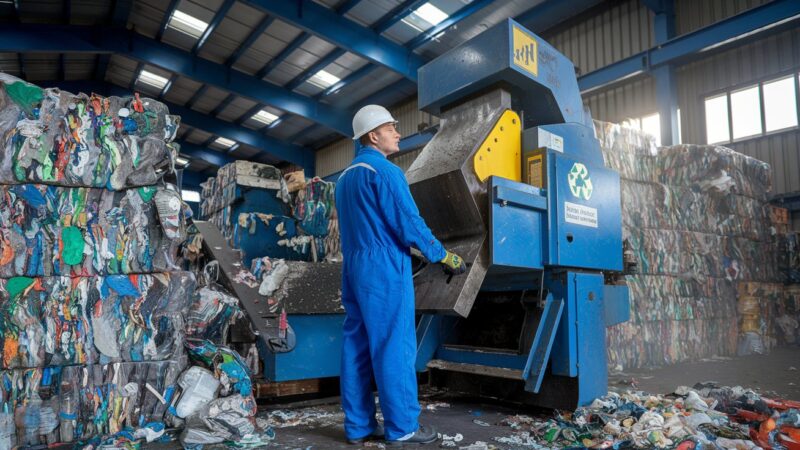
(482, 62)
(584, 233)
(317, 353)
(561, 238)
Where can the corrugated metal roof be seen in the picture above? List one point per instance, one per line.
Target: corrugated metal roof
(41, 11)
(475, 24)
(146, 17)
(198, 136)
(231, 32)
(79, 66)
(182, 90)
(378, 79)
(367, 12)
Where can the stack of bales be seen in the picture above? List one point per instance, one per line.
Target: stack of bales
(90, 301)
(697, 220)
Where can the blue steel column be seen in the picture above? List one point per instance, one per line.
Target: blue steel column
(666, 87)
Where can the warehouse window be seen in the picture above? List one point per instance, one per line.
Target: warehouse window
(717, 125)
(190, 196)
(780, 104)
(752, 111)
(650, 124)
(746, 113)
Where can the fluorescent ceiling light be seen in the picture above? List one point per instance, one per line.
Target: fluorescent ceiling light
(430, 14)
(187, 24)
(151, 79)
(190, 196)
(264, 117)
(227, 143)
(324, 79)
(181, 161)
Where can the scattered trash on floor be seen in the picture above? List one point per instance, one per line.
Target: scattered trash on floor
(433, 406)
(312, 417)
(702, 417)
(477, 445)
(450, 441)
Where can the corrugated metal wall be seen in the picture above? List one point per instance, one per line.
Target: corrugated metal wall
(634, 99)
(334, 157)
(410, 118)
(691, 15)
(621, 31)
(404, 161)
(625, 29)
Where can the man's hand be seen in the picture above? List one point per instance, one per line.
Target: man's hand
(453, 264)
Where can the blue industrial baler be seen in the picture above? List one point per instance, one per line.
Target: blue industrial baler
(514, 182)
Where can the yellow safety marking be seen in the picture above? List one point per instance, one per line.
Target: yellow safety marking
(499, 154)
(525, 51)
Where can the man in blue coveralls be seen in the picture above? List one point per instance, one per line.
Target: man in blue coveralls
(379, 224)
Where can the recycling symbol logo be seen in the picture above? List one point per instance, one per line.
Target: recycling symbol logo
(579, 182)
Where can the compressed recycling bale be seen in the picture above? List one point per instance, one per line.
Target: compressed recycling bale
(54, 137)
(68, 404)
(51, 321)
(50, 230)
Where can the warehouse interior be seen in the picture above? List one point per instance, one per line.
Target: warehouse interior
(174, 263)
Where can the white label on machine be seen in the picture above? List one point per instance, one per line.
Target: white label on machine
(580, 215)
(551, 141)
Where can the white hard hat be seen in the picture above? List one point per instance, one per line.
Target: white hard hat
(370, 117)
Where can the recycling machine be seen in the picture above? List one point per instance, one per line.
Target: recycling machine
(514, 182)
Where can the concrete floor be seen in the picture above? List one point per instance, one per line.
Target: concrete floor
(320, 426)
(776, 374)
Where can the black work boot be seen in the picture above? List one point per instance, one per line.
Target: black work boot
(377, 434)
(425, 434)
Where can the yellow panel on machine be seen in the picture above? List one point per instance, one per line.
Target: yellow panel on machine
(499, 153)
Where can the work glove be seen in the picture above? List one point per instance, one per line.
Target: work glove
(453, 264)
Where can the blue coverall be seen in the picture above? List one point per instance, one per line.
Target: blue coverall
(379, 223)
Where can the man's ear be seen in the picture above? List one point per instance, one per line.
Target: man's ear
(372, 137)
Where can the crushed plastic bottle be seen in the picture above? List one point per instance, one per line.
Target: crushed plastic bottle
(199, 387)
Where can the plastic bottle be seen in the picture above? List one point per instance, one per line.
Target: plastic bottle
(199, 387)
(68, 416)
